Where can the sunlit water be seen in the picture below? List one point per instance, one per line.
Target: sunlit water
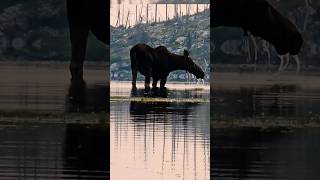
(265, 132)
(50, 128)
(160, 140)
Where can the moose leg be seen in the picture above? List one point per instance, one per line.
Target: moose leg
(283, 58)
(281, 63)
(247, 46)
(78, 37)
(287, 57)
(163, 82)
(265, 47)
(155, 82)
(147, 82)
(134, 76)
(296, 58)
(287, 60)
(255, 49)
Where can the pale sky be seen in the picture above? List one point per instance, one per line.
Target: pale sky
(129, 9)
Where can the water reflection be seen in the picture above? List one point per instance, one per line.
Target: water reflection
(278, 102)
(40, 135)
(54, 151)
(265, 132)
(83, 99)
(254, 153)
(159, 140)
(87, 150)
(46, 87)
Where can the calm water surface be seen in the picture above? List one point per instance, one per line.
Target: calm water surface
(160, 140)
(71, 141)
(265, 132)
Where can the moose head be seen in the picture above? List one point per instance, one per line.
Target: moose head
(193, 67)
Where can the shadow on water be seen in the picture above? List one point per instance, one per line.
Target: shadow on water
(87, 150)
(265, 132)
(82, 98)
(281, 102)
(160, 140)
(275, 153)
(54, 151)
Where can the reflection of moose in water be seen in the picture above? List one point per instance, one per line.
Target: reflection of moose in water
(158, 63)
(86, 147)
(260, 19)
(82, 98)
(85, 16)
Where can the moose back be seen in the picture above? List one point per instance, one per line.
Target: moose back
(158, 63)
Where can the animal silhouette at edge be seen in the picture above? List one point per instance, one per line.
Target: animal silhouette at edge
(260, 19)
(85, 16)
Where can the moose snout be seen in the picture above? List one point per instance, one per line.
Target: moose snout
(201, 75)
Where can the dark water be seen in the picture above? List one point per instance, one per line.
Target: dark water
(46, 87)
(55, 151)
(265, 132)
(51, 128)
(160, 140)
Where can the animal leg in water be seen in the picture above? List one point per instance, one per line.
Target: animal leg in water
(281, 63)
(247, 49)
(296, 58)
(134, 76)
(287, 60)
(147, 82)
(253, 39)
(188, 77)
(155, 82)
(200, 80)
(283, 58)
(163, 82)
(79, 45)
(265, 48)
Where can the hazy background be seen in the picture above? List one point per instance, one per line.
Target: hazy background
(38, 30)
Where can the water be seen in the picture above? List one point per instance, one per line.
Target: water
(46, 87)
(51, 128)
(160, 138)
(265, 130)
(54, 151)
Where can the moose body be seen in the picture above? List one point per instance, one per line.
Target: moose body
(158, 63)
(260, 19)
(85, 16)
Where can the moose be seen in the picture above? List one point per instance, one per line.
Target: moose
(260, 19)
(85, 16)
(158, 63)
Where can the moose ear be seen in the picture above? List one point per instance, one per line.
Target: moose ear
(186, 53)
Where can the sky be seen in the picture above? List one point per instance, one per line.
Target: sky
(128, 10)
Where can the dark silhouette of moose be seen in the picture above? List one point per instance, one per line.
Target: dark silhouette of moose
(263, 20)
(158, 63)
(85, 16)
